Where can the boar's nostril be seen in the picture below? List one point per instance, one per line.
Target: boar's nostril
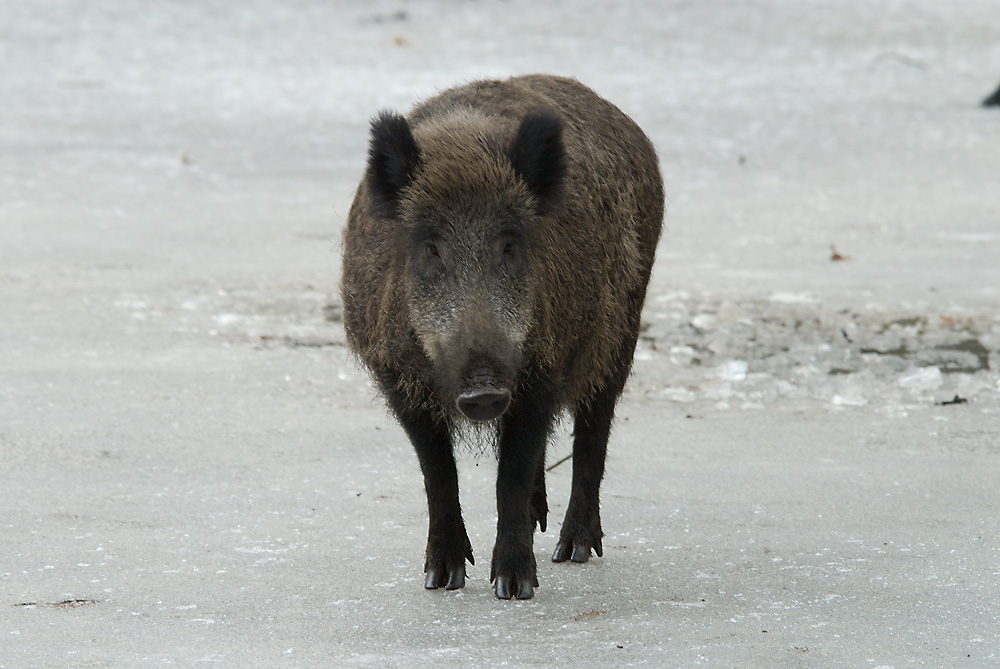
(483, 404)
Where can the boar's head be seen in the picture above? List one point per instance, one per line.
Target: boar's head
(466, 199)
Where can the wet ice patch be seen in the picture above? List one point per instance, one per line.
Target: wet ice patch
(704, 321)
(681, 355)
(792, 298)
(644, 355)
(197, 303)
(732, 370)
(679, 394)
(225, 319)
(849, 400)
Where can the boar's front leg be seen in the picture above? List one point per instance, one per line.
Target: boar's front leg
(448, 545)
(581, 529)
(520, 502)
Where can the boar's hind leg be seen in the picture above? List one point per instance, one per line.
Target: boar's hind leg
(520, 500)
(539, 502)
(448, 544)
(581, 529)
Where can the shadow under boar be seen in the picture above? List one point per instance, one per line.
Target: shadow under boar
(495, 264)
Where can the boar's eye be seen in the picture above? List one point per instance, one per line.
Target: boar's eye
(510, 242)
(432, 250)
(511, 261)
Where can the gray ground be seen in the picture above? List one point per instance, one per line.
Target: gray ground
(193, 470)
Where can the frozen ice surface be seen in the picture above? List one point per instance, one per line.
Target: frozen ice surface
(803, 471)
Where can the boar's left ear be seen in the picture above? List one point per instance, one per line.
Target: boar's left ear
(393, 158)
(538, 156)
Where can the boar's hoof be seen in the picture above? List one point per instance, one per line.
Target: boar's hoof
(574, 551)
(451, 579)
(505, 587)
(483, 404)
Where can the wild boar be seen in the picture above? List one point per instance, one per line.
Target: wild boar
(495, 263)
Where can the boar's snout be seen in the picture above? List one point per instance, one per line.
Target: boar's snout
(483, 396)
(483, 403)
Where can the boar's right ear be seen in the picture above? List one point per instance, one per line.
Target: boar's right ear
(538, 156)
(393, 158)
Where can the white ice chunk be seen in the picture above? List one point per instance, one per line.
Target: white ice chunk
(924, 378)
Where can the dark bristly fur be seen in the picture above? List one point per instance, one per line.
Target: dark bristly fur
(495, 265)
(392, 158)
(537, 156)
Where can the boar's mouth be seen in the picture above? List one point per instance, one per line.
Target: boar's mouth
(483, 396)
